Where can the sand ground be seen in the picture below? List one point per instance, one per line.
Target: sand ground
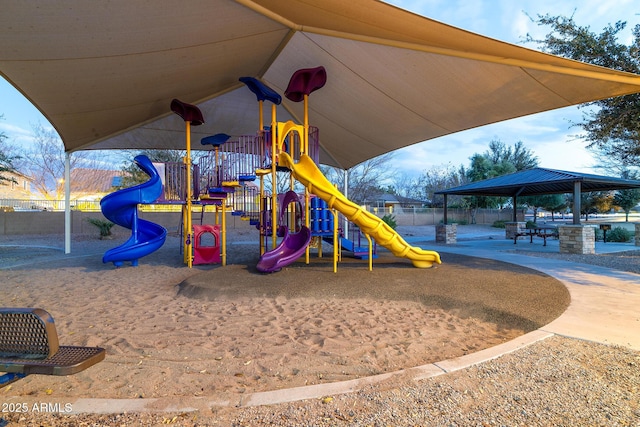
(174, 332)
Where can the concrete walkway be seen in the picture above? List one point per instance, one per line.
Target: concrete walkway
(605, 303)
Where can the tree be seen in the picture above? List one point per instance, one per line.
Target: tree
(366, 179)
(555, 203)
(548, 202)
(5, 166)
(45, 162)
(6, 159)
(612, 124)
(627, 199)
(507, 159)
(133, 175)
(439, 178)
(594, 202)
(406, 185)
(498, 160)
(602, 201)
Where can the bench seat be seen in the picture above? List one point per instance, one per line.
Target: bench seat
(29, 345)
(68, 360)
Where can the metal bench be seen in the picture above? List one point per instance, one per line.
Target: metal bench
(29, 345)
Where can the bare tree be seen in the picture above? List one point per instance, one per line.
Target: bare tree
(409, 186)
(44, 162)
(439, 178)
(6, 157)
(365, 179)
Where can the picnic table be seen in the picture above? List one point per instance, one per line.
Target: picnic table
(538, 231)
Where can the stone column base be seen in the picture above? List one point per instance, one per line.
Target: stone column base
(511, 229)
(446, 233)
(577, 239)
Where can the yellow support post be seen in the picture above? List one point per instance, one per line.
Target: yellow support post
(185, 231)
(191, 116)
(188, 244)
(370, 252)
(305, 150)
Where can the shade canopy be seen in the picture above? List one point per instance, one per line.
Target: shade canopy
(539, 181)
(104, 73)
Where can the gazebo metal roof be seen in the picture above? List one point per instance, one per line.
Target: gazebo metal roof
(538, 181)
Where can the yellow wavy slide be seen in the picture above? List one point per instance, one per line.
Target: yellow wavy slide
(310, 176)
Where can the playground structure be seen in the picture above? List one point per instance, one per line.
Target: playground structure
(224, 179)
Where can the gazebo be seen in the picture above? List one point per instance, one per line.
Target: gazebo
(540, 181)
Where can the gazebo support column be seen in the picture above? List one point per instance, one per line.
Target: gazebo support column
(577, 239)
(515, 227)
(512, 229)
(577, 191)
(445, 219)
(446, 233)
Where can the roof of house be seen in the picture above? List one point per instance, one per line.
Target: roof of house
(392, 198)
(93, 180)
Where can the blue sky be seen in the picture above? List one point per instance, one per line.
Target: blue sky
(548, 135)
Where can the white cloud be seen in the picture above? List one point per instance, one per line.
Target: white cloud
(16, 135)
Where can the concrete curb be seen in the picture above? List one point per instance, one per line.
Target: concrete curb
(191, 404)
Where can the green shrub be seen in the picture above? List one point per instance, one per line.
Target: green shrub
(501, 223)
(103, 225)
(390, 220)
(530, 224)
(619, 234)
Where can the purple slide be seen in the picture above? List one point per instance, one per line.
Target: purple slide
(288, 251)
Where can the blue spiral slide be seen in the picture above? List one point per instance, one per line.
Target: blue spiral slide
(121, 207)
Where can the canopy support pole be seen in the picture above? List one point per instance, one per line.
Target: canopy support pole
(67, 203)
(346, 195)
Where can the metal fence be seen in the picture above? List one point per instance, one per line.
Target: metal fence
(19, 205)
(402, 216)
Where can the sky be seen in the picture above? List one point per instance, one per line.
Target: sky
(548, 135)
